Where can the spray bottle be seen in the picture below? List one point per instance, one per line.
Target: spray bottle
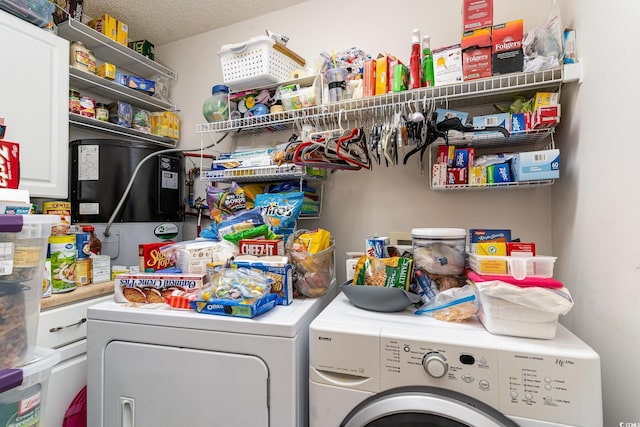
(427, 63)
(415, 73)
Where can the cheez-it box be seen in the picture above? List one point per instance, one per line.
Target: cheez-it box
(9, 164)
(261, 247)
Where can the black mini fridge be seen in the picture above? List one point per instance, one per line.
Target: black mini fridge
(153, 210)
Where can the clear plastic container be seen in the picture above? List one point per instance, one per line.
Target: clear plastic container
(23, 243)
(519, 267)
(216, 107)
(439, 250)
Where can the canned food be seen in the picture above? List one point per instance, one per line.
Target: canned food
(377, 246)
(62, 253)
(63, 210)
(83, 272)
(74, 101)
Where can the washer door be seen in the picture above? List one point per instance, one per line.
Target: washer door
(424, 407)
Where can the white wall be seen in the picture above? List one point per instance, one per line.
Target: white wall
(588, 218)
(596, 215)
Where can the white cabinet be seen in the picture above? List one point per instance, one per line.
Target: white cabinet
(34, 88)
(65, 329)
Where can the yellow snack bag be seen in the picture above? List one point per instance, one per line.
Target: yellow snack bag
(315, 241)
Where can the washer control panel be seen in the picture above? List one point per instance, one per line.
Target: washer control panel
(539, 386)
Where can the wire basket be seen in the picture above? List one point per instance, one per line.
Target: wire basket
(255, 63)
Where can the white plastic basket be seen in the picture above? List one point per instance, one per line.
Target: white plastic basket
(255, 63)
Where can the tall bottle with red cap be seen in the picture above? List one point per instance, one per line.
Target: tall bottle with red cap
(95, 245)
(415, 61)
(428, 79)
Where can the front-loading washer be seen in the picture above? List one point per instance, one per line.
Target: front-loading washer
(169, 368)
(402, 369)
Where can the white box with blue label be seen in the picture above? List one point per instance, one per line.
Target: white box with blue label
(536, 165)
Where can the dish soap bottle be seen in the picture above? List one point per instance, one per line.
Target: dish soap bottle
(415, 81)
(428, 79)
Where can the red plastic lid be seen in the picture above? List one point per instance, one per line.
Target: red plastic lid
(88, 228)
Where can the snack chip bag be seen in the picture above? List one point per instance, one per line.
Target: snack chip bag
(389, 272)
(315, 241)
(281, 210)
(225, 201)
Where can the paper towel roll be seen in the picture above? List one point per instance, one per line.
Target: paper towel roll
(296, 74)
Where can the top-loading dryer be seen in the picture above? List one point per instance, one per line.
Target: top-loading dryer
(400, 369)
(171, 368)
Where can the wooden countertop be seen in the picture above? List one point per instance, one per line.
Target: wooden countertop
(78, 294)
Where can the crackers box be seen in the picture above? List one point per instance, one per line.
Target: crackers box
(152, 288)
(261, 247)
(150, 258)
(276, 267)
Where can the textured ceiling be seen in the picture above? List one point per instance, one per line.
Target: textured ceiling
(165, 21)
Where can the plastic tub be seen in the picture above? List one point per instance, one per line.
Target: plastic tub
(23, 250)
(37, 12)
(518, 267)
(23, 391)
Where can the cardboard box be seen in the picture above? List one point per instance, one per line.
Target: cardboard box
(382, 75)
(276, 267)
(261, 247)
(463, 157)
(151, 259)
(479, 235)
(152, 288)
(100, 268)
(477, 176)
(476, 14)
(9, 164)
(447, 65)
(446, 154)
(476, 54)
(456, 176)
(439, 175)
(492, 266)
(536, 165)
(244, 308)
(369, 78)
(107, 71)
(520, 122)
(14, 201)
(105, 24)
(498, 174)
(506, 53)
(122, 33)
(143, 47)
(499, 119)
(543, 99)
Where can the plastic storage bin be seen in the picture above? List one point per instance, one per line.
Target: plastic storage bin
(515, 266)
(23, 391)
(503, 317)
(37, 12)
(255, 63)
(23, 250)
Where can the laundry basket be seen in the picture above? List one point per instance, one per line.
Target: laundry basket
(255, 63)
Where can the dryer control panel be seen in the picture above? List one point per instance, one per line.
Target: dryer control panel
(524, 384)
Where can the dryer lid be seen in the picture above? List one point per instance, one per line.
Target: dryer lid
(424, 406)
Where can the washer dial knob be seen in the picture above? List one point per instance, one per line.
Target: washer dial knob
(435, 364)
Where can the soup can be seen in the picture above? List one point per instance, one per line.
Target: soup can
(63, 210)
(62, 253)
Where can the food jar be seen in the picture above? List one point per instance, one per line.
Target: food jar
(102, 112)
(74, 101)
(440, 254)
(216, 107)
(79, 57)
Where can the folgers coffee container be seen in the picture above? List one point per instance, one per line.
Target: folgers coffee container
(440, 254)
(62, 254)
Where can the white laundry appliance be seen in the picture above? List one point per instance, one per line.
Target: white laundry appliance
(401, 369)
(172, 368)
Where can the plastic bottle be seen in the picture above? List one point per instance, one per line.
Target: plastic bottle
(415, 80)
(428, 79)
(216, 107)
(95, 245)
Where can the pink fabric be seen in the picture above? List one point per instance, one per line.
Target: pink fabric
(524, 283)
